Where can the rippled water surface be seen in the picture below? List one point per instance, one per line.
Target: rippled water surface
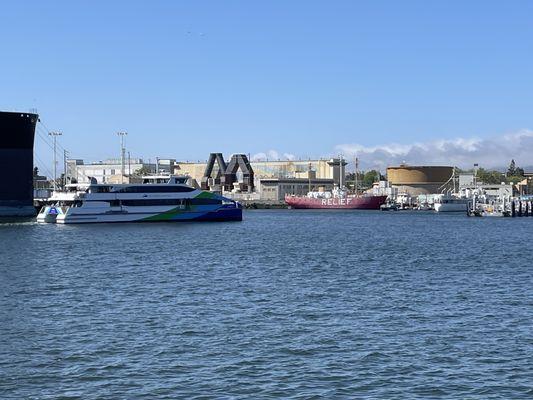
(286, 304)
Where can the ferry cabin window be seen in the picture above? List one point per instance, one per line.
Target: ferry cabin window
(169, 202)
(155, 189)
(99, 189)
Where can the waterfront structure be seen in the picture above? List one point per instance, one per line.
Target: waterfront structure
(416, 180)
(17, 132)
(158, 198)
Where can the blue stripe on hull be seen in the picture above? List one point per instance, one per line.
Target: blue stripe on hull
(222, 214)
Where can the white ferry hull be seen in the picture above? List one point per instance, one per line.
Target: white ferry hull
(48, 214)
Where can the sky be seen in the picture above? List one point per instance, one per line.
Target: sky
(446, 82)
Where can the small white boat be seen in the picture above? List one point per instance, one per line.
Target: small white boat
(450, 203)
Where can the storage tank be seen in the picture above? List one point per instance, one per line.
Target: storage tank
(416, 180)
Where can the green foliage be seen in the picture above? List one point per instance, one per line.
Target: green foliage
(514, 175)
(370, 177)
(490, 177)
(365, 179)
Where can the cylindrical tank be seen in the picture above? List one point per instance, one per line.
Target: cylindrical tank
(417, 180)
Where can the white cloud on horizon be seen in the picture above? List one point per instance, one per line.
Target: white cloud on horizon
(462, 152)
(273, 155)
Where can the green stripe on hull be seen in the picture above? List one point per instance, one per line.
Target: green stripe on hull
(164, 216)
(206, 195)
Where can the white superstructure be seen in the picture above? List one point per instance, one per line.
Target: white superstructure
(450, 203)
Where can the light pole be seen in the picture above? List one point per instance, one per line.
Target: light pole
(55, 135)
(122, 154)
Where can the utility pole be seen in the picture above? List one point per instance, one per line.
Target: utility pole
(122, 155)
(129, 164)
(55, 135)
(157, 165)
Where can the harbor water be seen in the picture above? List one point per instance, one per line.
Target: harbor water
(285, 304)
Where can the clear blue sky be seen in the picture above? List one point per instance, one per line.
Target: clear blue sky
(188, 78)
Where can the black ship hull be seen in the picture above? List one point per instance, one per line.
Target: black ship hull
(17, 132)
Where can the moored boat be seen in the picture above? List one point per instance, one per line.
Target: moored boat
(336, 199)
(450, 203)
(158, 198)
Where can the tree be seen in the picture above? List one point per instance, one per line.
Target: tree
(512, 169)
(370, 177)
(490, 177)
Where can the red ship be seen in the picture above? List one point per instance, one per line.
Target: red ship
(335, 200)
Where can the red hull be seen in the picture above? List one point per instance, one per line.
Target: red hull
(350, 202)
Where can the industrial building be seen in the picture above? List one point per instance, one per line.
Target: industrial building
(275, 189)
(109, 171)
(416, 180)
(279, 169)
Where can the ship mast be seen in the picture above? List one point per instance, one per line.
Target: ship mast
(356, 162)
(55, 135)
(309, 177)
(340, 171)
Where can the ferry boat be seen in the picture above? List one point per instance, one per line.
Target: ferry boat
(157, 198)
(336, 199)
